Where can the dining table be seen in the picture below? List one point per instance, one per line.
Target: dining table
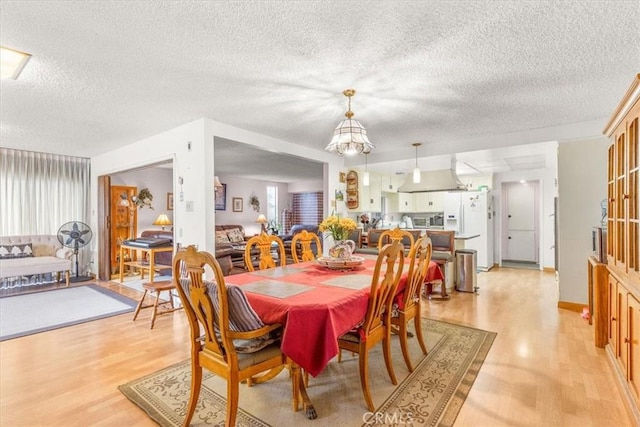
(315, 304)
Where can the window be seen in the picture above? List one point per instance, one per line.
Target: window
(272, 203)
(307, 208)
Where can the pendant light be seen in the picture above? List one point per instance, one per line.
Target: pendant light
(349, 137)
(416, 170)
(365, 175)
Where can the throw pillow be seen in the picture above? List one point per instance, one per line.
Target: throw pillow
(16, 251)
(242, 317)
(235, 235)
(221, 237)
(40, 249)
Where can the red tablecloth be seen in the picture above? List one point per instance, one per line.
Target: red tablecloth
(328, 304)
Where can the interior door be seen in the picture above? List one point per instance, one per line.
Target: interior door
(522, 244)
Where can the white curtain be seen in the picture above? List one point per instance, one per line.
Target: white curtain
(40, 192)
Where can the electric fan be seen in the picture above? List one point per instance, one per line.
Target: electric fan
(75, 235)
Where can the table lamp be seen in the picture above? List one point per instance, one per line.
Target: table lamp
(262, 220)
(162, 220)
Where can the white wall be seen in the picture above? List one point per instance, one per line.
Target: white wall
(191, 148)
(582, 180)
(244, 188)
(159, 182)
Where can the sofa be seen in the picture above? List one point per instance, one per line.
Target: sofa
(32, 260)
(231, 240)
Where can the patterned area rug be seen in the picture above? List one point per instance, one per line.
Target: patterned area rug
(431, 395)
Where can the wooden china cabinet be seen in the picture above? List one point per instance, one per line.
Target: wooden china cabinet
(623, 256)
(123, 221)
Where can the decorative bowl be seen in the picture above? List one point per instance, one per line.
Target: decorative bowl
(340, 264)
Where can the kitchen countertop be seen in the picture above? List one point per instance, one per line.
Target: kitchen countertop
(466, 236)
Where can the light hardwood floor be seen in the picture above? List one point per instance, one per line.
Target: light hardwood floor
(543, 369)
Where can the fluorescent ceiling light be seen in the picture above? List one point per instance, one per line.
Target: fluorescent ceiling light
(12, 62)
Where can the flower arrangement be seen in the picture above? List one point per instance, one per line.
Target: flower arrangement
(338, 227)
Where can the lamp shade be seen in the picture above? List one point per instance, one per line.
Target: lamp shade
(162, 220)
(416, 175)
(262, 220)
(216, 182)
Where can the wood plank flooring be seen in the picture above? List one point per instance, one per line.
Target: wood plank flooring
(543, 368)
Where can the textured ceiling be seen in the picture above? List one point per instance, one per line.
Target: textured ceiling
(109, 73)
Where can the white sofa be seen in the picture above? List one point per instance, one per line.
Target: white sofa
(30, 260)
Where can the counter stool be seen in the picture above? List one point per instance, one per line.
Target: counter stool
(157, 287)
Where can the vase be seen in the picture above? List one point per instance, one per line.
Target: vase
(342, 249)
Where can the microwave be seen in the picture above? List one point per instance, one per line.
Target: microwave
(599, 243)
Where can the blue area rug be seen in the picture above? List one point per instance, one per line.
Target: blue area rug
(31, 313)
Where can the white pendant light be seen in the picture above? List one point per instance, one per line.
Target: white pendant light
(365, 175)
(416, 170)
(349, 137)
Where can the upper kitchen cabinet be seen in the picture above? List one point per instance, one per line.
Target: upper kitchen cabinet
(405, 202)
(429, 202)
(390, 183)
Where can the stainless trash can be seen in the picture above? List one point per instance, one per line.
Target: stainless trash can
(466, 270)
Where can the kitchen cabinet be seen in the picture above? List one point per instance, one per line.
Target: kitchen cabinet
(390, 183)
(405, 202)
(429, 202)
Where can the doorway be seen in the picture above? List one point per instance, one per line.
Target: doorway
(520, 228)
(118, 222)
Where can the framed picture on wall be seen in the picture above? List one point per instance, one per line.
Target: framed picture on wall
(221, 198)
(169, 201)
(237, 204)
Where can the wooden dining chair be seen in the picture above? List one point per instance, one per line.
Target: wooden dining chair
(409, 305)
(263, 246)
(236, 345)
(376, 325)
(396, 235)
(305, 240)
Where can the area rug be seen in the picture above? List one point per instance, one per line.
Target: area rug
(430, 396)
(31, 313)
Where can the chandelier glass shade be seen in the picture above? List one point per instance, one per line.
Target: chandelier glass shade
(416, 170)
(349, 137)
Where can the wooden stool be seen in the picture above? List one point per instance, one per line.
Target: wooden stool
(157, 287)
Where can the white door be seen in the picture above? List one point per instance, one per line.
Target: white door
(520, 215)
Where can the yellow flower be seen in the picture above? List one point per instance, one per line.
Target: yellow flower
(339, 227)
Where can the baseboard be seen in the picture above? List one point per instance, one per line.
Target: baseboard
(572, 306)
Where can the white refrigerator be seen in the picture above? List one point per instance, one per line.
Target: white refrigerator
(476, 217)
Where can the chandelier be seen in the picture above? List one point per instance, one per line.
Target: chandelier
(349, 137)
